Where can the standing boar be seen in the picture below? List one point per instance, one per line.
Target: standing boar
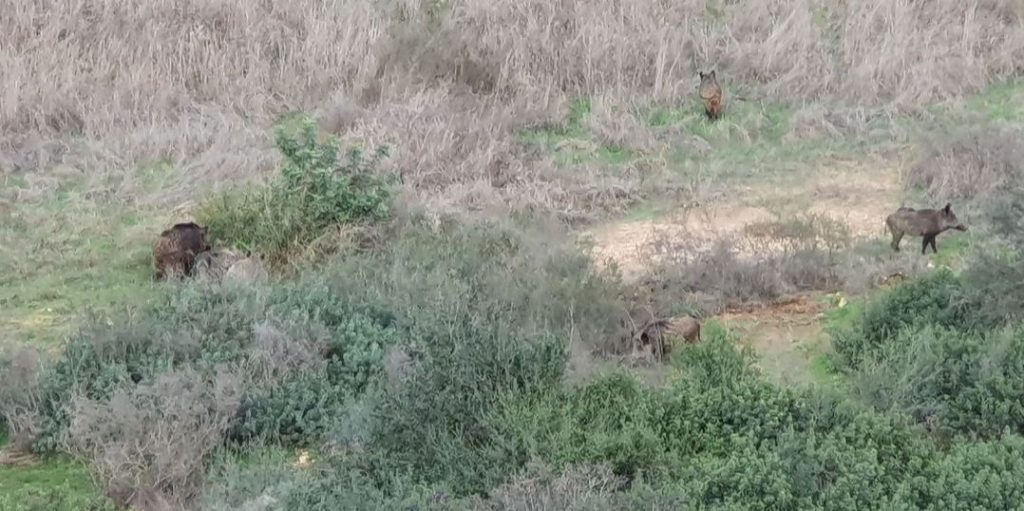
(927, 223)
(710, 94)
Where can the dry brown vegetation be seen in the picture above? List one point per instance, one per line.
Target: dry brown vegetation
(147, 445)
(576, 488)
(764, 262)
(19, 396)
(970, 164)
(117, 84)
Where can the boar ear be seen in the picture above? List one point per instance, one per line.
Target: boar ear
(701, 73)
(712, 74)
(946, 209)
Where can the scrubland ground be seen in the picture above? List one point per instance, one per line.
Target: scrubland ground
(448, 326)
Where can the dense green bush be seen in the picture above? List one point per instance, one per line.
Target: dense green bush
(657, 434)
(488, 309)
(938, 351)
(524, 275)
(485, 311)
(984, 475)
(735, 443)
(930, 300)
(959, 383)
(314, 192)
(299, 409)
(992, 288)
(433, 422)
(310, 331)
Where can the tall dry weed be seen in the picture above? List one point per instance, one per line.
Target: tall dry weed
(907, 52)
(762, 262)
(147, 445)
(20, 370)
(116, 84)
(975, 163)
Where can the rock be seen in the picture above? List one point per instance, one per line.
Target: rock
(249, 270)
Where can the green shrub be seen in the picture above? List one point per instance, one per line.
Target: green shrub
(984, 475)
(466, 422)
(927, 350)
(959, 383)
(990, 281)
(485, 309)
(196, 328)
(528, 277)
(992, 288)
(715, 361)
(314, 192)
(250, 480)
(798, 471)
(346, 484)
(433, 425)
(930, 300)
(269, 335)
(614, 421)
(736, 443)
(300, 409)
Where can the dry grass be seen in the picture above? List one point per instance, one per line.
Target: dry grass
(147, 445)
(974, 163)
(539, 488)
(766, 261)
(762, 263)
(114, 84)
(20, 395)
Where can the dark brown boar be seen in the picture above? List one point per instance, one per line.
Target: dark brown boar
(710, 94)
(175, 251)
(927, 223)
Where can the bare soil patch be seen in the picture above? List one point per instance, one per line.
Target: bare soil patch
(776, 332)
(856, 195)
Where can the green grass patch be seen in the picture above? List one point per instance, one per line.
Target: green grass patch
(1002, 101)
(750, 139)
(823, 368)
(16, 182)
(743, 122)
(84, 255)
(843, 318)
(953, 248)
(749, 142)
(54, 484)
